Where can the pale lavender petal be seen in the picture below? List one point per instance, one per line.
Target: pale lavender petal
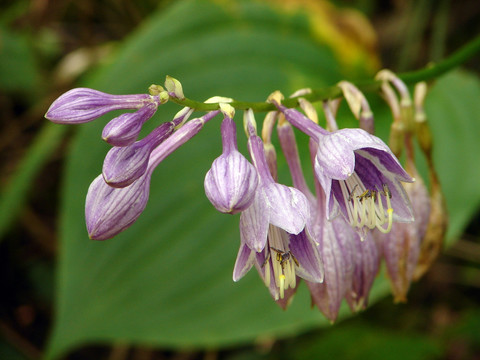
(124, 129)
(337, 258)
(244, 262)
(82, 105)
(310, 264)
(254, 223)
(401, 246)
(335, 156)
(123, 165)
(231, 182)
(374, 175)
(366, 265)
(108, 210)
(288, 208)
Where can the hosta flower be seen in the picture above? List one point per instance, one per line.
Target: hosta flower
(231, 182)
(108, 210)
(272, 231)
(401, 247)
(123, 165)
(366, 262)
(275, 204)
(359, 174)
(333, 238)
(336, 249)
(82, 105)
(124, 129)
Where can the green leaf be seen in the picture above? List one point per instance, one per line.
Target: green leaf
(167, 281)
(453, 112)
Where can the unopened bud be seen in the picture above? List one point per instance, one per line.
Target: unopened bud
(174, 87)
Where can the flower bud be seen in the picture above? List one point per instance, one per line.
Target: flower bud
(231, 182)
(123, 165)
(124, 129)
(108, 210)
(82, 105)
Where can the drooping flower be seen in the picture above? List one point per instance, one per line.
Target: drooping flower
(272, 231)
(108, 210)
(333, 238)
(366, 262)
(336, 249)
(401, 247)
(231, 182)
(275, 204)
(82, 105)
(359, 174)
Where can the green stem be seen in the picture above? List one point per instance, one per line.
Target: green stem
(429, 72)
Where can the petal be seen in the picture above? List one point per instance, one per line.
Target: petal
(254, 224)
(335, 156)
(123, 165)
(309, 260)
(124, 129)
(366, 264)
(231, 182)
(373, 174)
(328, 186)
(244, 262)
(108, 210)
(287, 207)
(82, 105)
(336, 151)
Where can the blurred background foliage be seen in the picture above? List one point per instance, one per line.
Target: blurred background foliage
(163, 289)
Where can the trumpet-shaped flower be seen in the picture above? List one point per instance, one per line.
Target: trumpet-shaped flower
(359, 174)
(401, 247)
(272, 231)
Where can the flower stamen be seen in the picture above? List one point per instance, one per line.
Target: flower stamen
(365, 207)
(281, 261)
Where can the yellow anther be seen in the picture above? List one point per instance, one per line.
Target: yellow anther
(281, 279)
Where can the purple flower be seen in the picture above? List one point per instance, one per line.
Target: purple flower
(284, 258)
(123, 165)
(333, 238)
(272, 231)
(82, 105)
(275, 204)
(337, 255)
(359, 174)
(231, 182)
(108, 210)
(124, 129)
(401, 247)
(366, 262)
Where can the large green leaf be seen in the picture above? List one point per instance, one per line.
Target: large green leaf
(453, 111)
(168, 279)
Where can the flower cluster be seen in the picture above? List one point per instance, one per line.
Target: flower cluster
(333, 238)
